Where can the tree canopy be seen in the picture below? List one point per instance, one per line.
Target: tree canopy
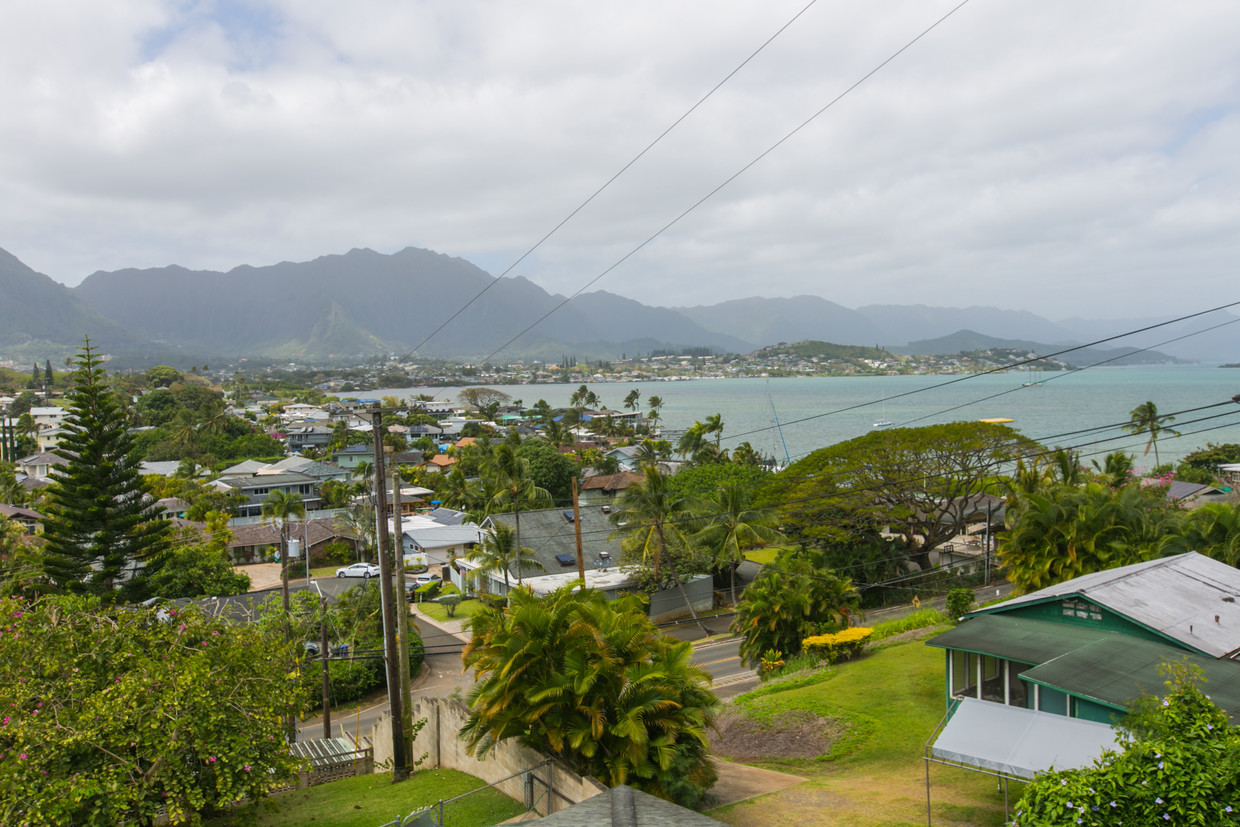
(596, 684)
(114, 713)
(921, 482)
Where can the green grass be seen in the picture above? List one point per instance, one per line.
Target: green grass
(892, 699)
(370, 800)
(464, 609)
(762, 556)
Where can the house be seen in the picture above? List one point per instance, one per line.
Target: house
(1087, 648)
(439, 542)
(1036, 682)
(259, 542)
(27, 518)
(307, 436)
(602, 489)
(441, 463)
(40, 465)
(259, 487)
(552, 535)
(321, 471)
(48, 418)
(352, 456)
(1192, 494)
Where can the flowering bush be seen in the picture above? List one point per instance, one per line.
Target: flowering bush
(1179, 763)
(840, 646)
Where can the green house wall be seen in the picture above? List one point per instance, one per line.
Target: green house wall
(1079, 611)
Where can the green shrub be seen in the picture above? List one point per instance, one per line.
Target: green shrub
(839, 646)
(959, 601)
(449, 603)
(335, 553)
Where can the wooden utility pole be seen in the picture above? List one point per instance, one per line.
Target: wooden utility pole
(323, 654)
(400, 767)
(581, 561)
(402, 614)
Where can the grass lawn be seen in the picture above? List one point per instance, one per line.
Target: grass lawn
(466, 608)
(762, 556)
(891, 701)
(371, 800)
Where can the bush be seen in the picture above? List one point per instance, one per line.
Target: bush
(838, 647)
(959, 601)
(335, 553)
(449, 603)
(917, 620)
(493, 601)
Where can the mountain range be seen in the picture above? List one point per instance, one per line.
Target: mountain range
(362, 303)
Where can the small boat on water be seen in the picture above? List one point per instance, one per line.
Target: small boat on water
(884, 423)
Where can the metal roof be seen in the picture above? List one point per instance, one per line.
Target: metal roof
(1188, 598)
(1119, 670)
(1015, 638)
(1019, 742)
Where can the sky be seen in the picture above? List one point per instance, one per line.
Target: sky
(1067, 158)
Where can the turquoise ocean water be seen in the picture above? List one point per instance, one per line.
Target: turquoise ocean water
(819, 411)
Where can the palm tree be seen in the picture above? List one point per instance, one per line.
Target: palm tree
(280, 508)
(713, 425)
(735, 524)
(1116, 468)
(1067, 466)
(511, 474)
(633, 401)
(691, 441)
(1146, 419)
(500, 552)
(655, 403)
(651, 517)
(358, 522)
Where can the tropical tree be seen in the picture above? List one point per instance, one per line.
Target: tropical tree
(499, 551)
(1063, 532)
(146, 713)
(691, 441)
(1147, 420)
(1067, 467)
(101, 531)
(792, 601)
(713, 425)
(921, 482)
(633, 401)
(596, 684)
(1116, 468)
(510, 472)
(280, 508)
(1212, 529)
(198, 565)
(733, 524)
(655, 404)
(653, 522)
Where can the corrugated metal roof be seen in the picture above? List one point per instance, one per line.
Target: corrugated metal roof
(1189, 598)
(1119, 670)
(1014, 638)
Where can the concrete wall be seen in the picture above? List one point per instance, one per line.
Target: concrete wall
(438, 741)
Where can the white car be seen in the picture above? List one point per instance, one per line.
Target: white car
(366, 570)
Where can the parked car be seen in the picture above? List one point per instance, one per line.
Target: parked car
(366, 570)
(421, 581)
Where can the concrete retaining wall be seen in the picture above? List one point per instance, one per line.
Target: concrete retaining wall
(438, 741)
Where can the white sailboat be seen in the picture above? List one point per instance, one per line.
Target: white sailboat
(884, 422)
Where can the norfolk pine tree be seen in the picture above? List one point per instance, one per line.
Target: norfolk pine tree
(101, 532)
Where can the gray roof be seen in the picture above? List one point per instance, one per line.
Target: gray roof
(447, 516)
(442, 536)
(1180, 490)
(268, 480)
(550, 533)
(249, 466)
(1188, 598)
(626, 806)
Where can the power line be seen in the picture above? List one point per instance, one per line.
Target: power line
(613, 178)
(788, 136)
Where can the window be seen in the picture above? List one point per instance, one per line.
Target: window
(992, 680)
(964, 674)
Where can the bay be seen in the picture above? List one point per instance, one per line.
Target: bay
(1081, 409)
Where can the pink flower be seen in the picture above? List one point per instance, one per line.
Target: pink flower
(211, 760)
(204, 643)
(23, 756)
(247, 767)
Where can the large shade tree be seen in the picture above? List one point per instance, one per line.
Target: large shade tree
(922, 483)
(102, 533)
(596, 684)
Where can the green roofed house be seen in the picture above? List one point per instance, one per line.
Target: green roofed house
(1038, 680)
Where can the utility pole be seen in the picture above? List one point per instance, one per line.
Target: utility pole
(400, 767)
(323, 654)
(402, 612)
(581, 562)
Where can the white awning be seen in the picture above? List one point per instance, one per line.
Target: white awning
(1018, 742)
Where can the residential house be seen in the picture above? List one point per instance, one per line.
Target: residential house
(441, 463)
(29, 519)
(1087, 648)
(602, 489)
(258, 487)
(260, 542)
(48, 418)
(352, 456)
(307, 436)
(1192, 494)
(442, 544)
(552, 535)
(40, 465)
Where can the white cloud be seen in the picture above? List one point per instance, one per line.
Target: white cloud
(1061, 157)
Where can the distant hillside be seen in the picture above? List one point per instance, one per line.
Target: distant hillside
(763, 322)
(966, 341)
(904, 324)
(854, 354)
(365, 302)
(42, 320)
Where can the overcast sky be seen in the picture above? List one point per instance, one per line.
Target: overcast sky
(1059, 156)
